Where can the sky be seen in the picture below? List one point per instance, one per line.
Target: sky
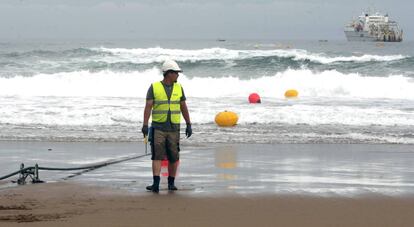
(191, 19)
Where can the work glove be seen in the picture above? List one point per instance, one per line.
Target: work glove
(188, 131)
(144, 130)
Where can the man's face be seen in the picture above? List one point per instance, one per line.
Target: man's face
(174, 76)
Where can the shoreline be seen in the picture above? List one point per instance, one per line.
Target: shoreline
(74, 204)
(215, 169)
(219, 185)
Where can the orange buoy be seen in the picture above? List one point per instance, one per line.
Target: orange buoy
(226, 119)
(292, 93)
(254, 98)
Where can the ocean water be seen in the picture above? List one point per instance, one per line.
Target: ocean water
(349, 92)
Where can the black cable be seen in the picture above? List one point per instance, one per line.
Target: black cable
(15, 173)
(89, 167)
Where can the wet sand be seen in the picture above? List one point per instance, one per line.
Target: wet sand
(220, 185)
(73, 204)
(227, 169)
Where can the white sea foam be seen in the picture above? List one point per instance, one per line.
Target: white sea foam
(82, 83)
(322, 58)
(30, 112)
(302, 113)
(108, 98)
(135, 84)
(158, 54)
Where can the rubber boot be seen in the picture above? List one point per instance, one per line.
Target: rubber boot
(171, 186)
(155, 187)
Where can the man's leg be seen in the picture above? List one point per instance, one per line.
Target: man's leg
(173, 157)
(172, 169)
(156, 170)
(156, 167)
(157, 154)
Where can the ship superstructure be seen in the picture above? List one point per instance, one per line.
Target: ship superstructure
(376, 27)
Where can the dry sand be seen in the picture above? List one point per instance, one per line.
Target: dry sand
(70, 204)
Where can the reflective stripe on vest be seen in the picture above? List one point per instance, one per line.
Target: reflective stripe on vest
(162, 105)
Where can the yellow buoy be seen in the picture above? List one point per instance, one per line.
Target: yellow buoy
(292, 93)
(226, 119)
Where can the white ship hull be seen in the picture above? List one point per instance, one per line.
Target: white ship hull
(361, 36)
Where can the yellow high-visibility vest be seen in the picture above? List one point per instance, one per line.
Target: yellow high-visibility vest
(162, 105)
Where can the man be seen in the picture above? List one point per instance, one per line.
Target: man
(166, 99)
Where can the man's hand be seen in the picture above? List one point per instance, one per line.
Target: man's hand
(188, 131)
(144, 130)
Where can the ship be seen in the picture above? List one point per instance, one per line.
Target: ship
(373, 28)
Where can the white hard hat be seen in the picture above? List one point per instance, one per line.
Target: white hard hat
(170, 65)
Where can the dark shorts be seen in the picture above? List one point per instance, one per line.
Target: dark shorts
(165, 145)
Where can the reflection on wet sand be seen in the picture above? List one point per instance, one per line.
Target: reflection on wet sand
(226, 157)
(322, 169)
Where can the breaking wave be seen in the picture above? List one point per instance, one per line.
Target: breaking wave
(329, 83)
(150, 55)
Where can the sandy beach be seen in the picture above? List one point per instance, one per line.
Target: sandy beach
(71, 204)
(220, 185)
